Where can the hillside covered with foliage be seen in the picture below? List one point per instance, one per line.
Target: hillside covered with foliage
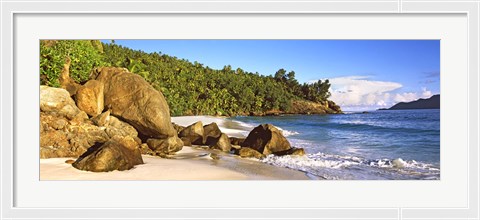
(190, 88)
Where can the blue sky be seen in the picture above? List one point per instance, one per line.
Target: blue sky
(365, 74)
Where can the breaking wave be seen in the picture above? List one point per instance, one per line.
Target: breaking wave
(330, 166)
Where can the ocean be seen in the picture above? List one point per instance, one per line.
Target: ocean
(378, 145)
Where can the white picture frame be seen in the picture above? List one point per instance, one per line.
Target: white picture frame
(10, 176)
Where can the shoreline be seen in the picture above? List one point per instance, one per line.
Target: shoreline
(191, 163)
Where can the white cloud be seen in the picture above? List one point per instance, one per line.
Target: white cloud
(426, 93)
(360, 92)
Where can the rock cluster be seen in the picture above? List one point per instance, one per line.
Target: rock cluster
(209, 135)
(116, 116)
(104, 123)
(261, 141)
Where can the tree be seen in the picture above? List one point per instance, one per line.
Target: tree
(280, 75)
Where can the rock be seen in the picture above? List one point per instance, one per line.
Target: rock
(266, 139)
(178, 128)
(55, 144)
(223, 143)
(236, 141)
(334, 107)
(291, 151)
(117, 127)
(193, 133)
(80, 118)
(66, 82)
(144, 149)
(70, 161)
(59, 124)
(119, 153)
(60, 137)
(211, 134)
(214, 156)
(165, 146)
(249, 152)
(101, 119)
(57, 102)
(186, 141)
(83, 137)
(89, 98)
(133, 99)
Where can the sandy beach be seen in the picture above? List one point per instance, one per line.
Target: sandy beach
(191, 163)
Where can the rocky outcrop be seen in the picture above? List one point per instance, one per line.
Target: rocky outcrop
(165, 146)
(89, 98)
(66, 131)
(119, 153)
(131, 98)
(308, 107)
(266, 139)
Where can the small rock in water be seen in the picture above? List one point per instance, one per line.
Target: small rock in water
(249, 152)
(214, 156)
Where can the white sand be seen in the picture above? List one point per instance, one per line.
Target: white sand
(187, 164)
(229, 127)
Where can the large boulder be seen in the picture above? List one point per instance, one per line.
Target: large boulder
(266, 139)
(211, 134)
(165, 146)
(89, 97)
(223, 143)
(193, 133)
(119, 153)
(57, 101)
(135, 101)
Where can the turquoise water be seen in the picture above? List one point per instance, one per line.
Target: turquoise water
(400, 144)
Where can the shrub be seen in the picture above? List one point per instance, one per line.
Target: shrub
(84, 55)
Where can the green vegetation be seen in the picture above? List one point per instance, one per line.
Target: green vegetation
(190, 88)
(84, 55)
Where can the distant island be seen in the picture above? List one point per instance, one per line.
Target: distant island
(430, 103)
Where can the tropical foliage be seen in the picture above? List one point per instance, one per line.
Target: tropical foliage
(189, 87)
(84, 55)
